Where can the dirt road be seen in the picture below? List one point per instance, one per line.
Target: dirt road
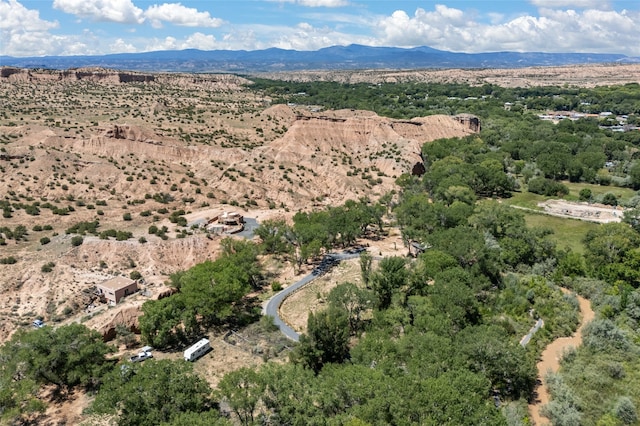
(550, 360)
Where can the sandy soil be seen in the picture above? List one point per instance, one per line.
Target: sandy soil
(599, 213)
(551, 357)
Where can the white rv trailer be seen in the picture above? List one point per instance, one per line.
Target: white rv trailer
(197, 350)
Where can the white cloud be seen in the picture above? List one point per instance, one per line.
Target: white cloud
(303, 36)
(22, 31)
(15, 17)
(121, 46)
(577, 4)
(316, 3)
(553, 31)
(323, 3)
(121, 11)
(194, 41)
(178, 14)
(200, 41)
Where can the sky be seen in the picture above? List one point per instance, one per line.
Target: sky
(96, 27)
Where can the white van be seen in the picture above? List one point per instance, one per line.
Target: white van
(197, 350)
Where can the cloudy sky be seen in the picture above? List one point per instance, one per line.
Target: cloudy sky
(87, 27)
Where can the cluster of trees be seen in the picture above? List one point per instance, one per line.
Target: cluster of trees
(209, 294)
(65, 358)
(440, 341)
(458, 168)
(313, 232)
(407, 100)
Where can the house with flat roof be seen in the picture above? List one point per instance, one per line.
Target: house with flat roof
(113, 290)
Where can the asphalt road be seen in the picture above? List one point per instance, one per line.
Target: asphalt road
(250, 225)
(271, 307)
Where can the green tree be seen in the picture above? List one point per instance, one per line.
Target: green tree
(391, 276)
(205, 418)
(274, 234)
(242, 389)
(365, 267)
(353, 300)
(634, 175)
(326, 340)
(492, 352)
(66, 357)
(152, 392)
(606, 248)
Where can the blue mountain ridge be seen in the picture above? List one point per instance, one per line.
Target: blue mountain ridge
(329, 58)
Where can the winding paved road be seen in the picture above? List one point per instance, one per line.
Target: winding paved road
(272, 306)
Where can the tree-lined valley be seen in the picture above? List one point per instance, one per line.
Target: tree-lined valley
(439, 186)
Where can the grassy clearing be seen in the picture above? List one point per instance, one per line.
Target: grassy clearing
(525, 199)
(568, 233)
(623, 194)
(531, 200)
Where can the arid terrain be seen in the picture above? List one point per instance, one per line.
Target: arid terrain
(128, 150)
(578, 76)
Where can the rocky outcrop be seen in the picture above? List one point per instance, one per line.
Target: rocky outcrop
(469, 120)
(127, 317)
(6, 72)
(88, 74)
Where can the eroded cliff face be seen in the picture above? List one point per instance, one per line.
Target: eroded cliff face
(214, 82)
(88, 74)
(335, 147)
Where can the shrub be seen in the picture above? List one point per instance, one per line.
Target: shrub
(8, 260)
(135, 275)
(126, 216)
(142, 240)
(45, 240)
(123, 235)
(585, 194)
(610, 199)
(104, 235)
(47, 267)
(77, 240)
(625, 410)
(602, 335)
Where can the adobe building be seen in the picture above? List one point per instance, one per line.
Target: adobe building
(226, 223)
(113, 290)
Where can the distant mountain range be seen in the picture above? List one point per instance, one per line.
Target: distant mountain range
(330, 58)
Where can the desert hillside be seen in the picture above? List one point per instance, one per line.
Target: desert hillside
(574, 75)
(127, 150)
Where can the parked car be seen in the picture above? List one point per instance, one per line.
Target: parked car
(38, 323)
(141, 356)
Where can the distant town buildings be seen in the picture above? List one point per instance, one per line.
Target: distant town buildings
(606, 119)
